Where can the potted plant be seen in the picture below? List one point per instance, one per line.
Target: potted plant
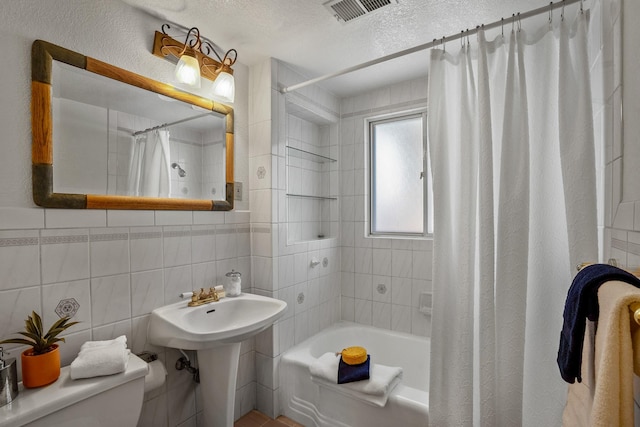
(40, 363)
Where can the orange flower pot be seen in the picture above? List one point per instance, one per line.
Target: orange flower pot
(40, 369)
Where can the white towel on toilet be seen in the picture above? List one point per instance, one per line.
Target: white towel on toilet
(99, 358)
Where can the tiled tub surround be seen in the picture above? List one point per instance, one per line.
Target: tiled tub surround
(118, 275)
(381, 278)
(281, 268)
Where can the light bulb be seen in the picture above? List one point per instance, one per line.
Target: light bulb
(224, 87)
(188, 71)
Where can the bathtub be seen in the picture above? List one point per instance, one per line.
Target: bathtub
(310, 404)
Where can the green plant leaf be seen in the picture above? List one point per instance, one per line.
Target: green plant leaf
(37, 320)
(16, 341)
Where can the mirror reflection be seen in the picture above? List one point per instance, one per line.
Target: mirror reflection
(111, 138)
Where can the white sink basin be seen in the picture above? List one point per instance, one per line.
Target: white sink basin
(230, 320)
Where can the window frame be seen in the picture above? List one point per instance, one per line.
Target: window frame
(369, 124)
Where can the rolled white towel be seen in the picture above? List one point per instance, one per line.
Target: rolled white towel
(99, 358)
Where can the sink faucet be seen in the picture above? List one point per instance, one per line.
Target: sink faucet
(203, 297)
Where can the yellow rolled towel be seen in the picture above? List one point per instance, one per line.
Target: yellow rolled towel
(354, 355)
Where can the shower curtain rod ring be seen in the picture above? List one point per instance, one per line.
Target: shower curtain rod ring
(462, 38)
(562, 13)
(502, 27)
(519, 22)
(550, 13)
(444, 47)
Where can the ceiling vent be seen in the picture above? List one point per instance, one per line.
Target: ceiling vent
(348, 10)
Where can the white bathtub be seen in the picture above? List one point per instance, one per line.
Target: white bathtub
(310, 404)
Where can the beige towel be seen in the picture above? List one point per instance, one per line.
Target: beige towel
(610, 395)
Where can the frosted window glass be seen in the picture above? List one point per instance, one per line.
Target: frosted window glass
(397, 190)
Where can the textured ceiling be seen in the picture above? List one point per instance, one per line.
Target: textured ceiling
(304, 34)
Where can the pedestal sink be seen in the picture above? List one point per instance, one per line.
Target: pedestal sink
(215, 330)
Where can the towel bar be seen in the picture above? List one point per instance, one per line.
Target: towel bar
(634, 306)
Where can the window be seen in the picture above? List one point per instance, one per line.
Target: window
(399, 178)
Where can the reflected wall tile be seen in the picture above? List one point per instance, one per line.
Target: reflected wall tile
(110, 299)
(146, 248)
(177, 246)
(64, 255)
(109, 249)
(53, 294)
(19, 254)
(203, 243)
(147, 291)
(15, 306)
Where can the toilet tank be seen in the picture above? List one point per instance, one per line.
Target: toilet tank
(113, 400)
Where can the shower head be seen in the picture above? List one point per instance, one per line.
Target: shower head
(181, 172)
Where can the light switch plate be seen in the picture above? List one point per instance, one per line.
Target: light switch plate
(238, 191)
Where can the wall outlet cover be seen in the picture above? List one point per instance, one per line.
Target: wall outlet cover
(238, 191)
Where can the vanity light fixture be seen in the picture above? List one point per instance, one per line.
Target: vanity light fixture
(194, 61)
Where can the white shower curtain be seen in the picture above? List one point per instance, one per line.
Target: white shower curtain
(149, 165)
(512, 157)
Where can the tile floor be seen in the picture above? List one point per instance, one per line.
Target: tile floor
(258, 419)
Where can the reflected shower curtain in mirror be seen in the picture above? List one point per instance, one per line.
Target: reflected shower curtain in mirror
(513, 163)
(149, 165)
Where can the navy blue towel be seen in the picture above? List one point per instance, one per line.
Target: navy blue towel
(582, 304)
(351, 373)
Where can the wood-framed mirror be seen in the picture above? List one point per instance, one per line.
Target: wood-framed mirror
(118, 140)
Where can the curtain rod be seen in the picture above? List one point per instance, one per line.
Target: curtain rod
(164, 125)
(465, 33)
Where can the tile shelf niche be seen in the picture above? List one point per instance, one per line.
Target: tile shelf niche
(311, 169)
(307, 155)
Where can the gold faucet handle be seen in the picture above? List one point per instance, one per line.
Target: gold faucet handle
(203, 294)
(213, 294)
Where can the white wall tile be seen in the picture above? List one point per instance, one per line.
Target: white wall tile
(64, 255)
(147, 291)
(145, 245)
(74, 218)
(19, 253)
(177, 246)
(109, 249)
(21, 218)
(15, 306)
(110, 299)
(117, 218)
(79, 291)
